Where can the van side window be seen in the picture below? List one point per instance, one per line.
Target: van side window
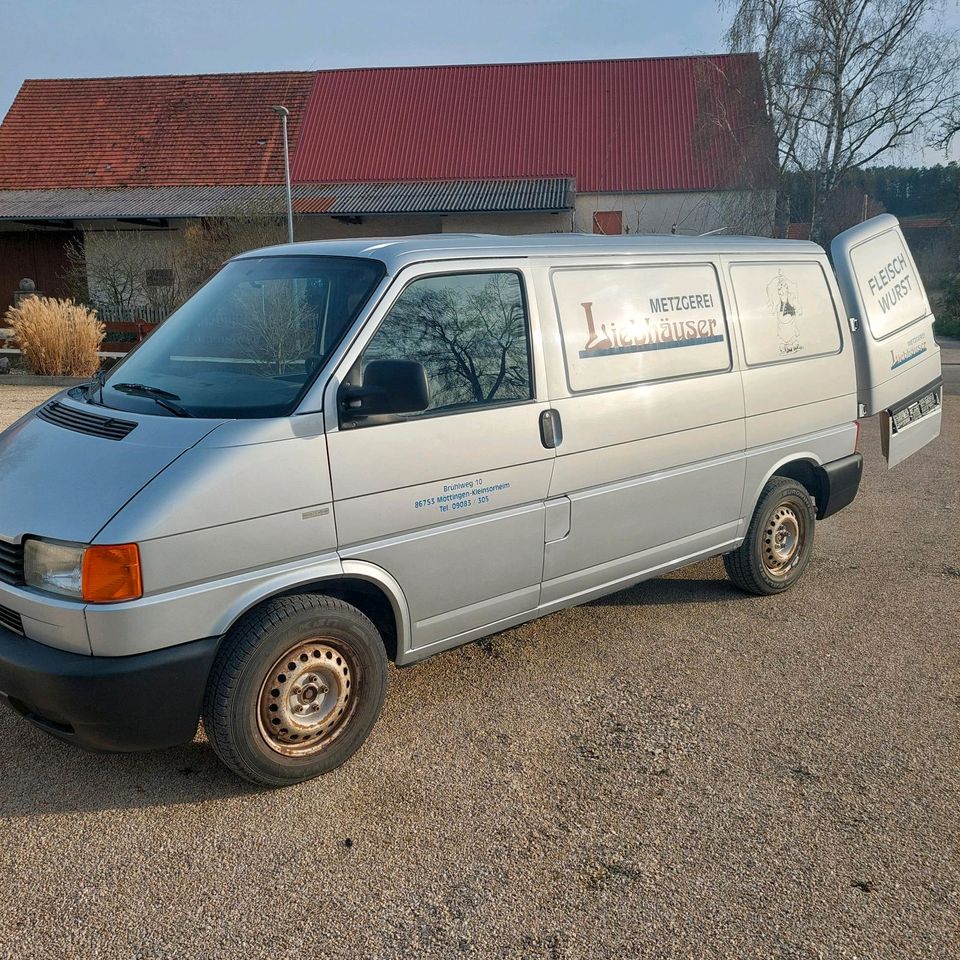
(470, 333)
(624, 325)
(786, 311)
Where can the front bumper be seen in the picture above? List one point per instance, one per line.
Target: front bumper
(141, 702)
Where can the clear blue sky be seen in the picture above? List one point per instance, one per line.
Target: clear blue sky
(83, 38)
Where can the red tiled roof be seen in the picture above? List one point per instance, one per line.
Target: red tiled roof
(798, 231)
(149, 131)
(682, 123)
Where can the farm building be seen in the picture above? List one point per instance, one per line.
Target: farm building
(648, 145)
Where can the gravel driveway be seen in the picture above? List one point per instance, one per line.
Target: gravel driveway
(673, 771)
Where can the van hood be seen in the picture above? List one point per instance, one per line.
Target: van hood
(59, 482)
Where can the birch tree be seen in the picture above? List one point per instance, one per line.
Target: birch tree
(848, 81)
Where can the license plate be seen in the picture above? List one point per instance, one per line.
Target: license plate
(914, 410)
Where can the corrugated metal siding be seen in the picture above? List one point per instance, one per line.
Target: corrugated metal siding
(463, 196)
(682, 123)
(137, 202)
(345, 199)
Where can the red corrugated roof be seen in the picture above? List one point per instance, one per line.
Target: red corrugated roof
(682, 123)
(149, 131)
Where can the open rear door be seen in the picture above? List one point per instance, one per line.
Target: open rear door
(898, 361)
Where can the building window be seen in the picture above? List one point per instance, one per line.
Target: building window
(608, 222)
(160, 278)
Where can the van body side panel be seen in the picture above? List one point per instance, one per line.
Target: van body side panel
(653, 469)
(197, 611)
(615, 575)
(633, 494)
(221, 522)
(823, 447)
(213, 485)
(799, 379)
(469, 572)
(452, 507)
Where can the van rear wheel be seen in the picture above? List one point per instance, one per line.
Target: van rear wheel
(779, 540)
(295, 689)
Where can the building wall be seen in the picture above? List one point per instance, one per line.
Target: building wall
(37, 255)
(329, 228)
(749, 211)
(508, 223)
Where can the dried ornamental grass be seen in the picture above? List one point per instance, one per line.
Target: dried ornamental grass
(58, 338)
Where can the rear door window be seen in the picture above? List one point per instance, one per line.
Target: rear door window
(786, 311)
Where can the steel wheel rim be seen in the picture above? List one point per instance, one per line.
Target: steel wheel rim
(307, 698)
(783, 538)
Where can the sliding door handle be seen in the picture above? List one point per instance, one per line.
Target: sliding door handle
(551, 430)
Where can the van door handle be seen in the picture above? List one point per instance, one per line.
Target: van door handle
(551, 430)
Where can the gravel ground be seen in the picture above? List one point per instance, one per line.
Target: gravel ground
(15, 401)
(674, 771)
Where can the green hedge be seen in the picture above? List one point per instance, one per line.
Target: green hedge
(947, 327)
(947, 312)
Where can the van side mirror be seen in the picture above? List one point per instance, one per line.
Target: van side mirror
(389, 387)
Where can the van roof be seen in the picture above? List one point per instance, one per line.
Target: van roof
(398, 252)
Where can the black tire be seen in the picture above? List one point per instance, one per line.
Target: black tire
(763, 564)
(316, 710)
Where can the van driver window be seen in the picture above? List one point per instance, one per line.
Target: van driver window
(468, 331)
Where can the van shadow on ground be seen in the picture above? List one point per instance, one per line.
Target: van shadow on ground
(672, 590)
(40, 775)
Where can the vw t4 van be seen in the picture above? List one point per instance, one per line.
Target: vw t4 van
(341, 454)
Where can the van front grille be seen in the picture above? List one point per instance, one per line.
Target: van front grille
(11, 562)
(82, 422)
(11, 620)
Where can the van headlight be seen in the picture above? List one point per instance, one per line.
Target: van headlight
(95, 574)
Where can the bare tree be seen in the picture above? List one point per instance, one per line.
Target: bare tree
(472, 343)
(847, 81)
(273, 326)
(127, 269)
(124, 269)
(733, 131)
(208, 243)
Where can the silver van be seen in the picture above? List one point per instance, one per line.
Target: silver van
(339, 454)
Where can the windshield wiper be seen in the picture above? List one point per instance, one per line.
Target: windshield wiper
(162, 397)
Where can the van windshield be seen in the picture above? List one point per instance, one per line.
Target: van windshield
(249, 342)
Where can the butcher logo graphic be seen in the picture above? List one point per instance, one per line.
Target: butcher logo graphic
(784, 301)
(641, 335)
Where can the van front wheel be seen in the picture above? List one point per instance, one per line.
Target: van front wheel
(779, 540)
(295, 689)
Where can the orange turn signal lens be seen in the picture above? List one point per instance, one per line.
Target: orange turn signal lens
(111, 574)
